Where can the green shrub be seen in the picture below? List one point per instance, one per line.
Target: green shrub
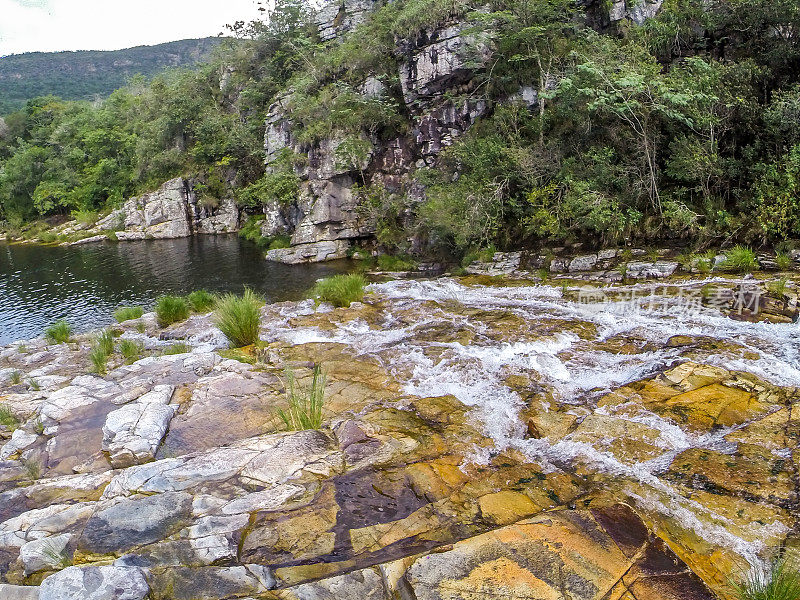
(279, 241)
(127, 313)
(15, 378)
(239, 318)
(59, 332)
(177, 348)
(130, 350)
(740, 259)
(87, 218)
(201, 301)
(778, 288)
(47, 237)
(784, 261)
(779, 581)
(388, 262)
(171, 309)
(341, 290)
(305, 406)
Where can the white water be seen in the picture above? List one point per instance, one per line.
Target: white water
(575, 372)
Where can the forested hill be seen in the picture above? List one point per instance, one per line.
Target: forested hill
(86, 74)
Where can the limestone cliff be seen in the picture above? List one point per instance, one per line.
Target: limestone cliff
(436, 70)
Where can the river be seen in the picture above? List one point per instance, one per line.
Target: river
(84, 284)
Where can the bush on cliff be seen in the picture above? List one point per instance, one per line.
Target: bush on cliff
(340, 290)
(171, 309)
(239, 317)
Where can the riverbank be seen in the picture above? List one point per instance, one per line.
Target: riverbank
(480, 435)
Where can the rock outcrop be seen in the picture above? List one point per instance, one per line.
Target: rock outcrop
(436, 69)
(478, 440)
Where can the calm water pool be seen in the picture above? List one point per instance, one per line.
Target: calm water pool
(84, 284)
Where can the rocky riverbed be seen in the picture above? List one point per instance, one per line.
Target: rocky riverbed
(483, 438)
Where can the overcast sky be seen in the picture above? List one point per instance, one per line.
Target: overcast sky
(52, 25)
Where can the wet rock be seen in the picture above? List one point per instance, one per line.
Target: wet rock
(210, 583)
(134, 522)
(95, 583)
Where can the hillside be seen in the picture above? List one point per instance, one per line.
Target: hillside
(86, 74)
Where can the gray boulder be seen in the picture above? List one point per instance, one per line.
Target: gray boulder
(96, 583)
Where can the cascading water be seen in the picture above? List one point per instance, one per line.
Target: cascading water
(574, 367)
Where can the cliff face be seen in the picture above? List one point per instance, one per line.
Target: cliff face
(436, 69)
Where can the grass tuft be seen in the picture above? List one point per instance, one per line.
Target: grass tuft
(341, 290)
(239, 318)
(780, 580)
(105, 341)
(98, 359)
(130, 350)
(784, 261)
(15, 378)
(387, 262)
(59, 332)
(201, 301)
(305, 406)
(176, 348)
(740, 259)
(7, 418)
(171, 309)
(128, 313)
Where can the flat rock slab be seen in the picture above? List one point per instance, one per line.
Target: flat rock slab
(135, 522)
(18, 592)
(95, 583)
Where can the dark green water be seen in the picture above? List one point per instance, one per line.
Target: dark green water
(84, 284)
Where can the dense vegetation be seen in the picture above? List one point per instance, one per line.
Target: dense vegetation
(685, 127)
(87, 75)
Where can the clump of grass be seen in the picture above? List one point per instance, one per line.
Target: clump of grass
(59, 332)
(141, 327)
(38, 427)
(171, 309)
(778, 288)
(7, 418)
(22, 349)
(127, 313)
(780, 580)
(105, 341)
(784, 261)
(87, 218)
(305, 406)
(201, 301)
(341, 290)
(239, 318)
(130, 350)
(47, 237)
(15, 378)
(740, 259)
(98, 358)
(177, 348)
(33, 468)
(388, 262)
(34, 385)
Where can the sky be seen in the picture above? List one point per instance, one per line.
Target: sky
(53, 25)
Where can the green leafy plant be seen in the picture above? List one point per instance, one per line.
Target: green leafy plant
(341, 290)
(59, 332)
(780, 580)
(171, 309)
(740, 259)
(305, 406)
(201, 301)
(239, 317)
(128, 313)
(130, 350)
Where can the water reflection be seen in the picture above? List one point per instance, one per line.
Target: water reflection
(84, 284)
